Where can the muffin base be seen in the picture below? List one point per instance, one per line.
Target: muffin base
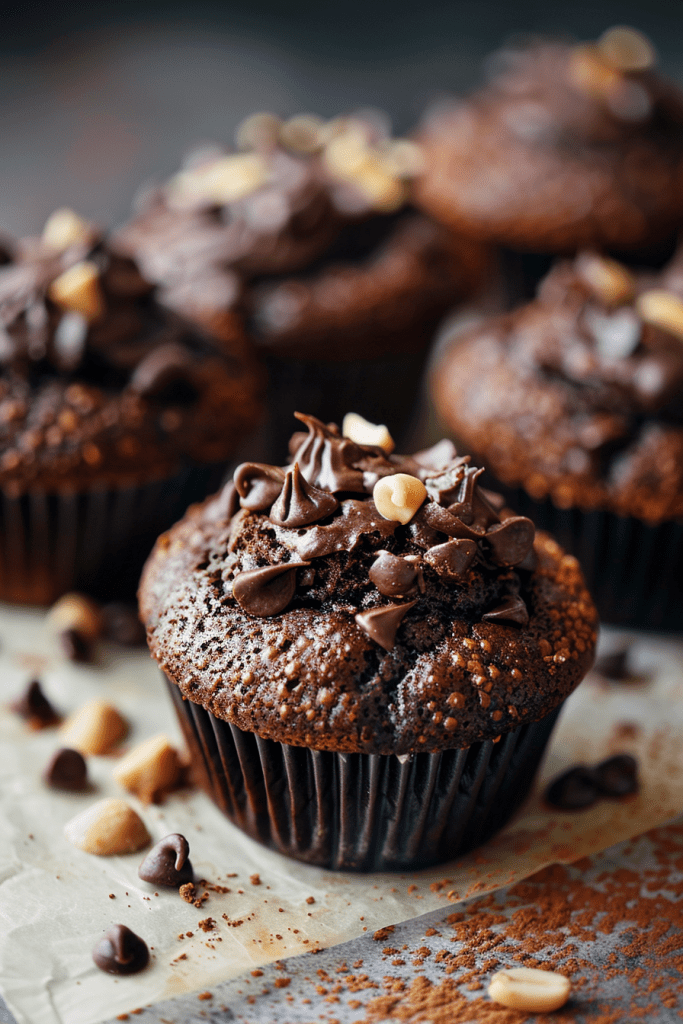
(633, 571)
(362, 812)
(94, 541)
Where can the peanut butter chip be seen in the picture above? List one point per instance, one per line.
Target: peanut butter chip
(398, 497)
(609, 280)
(65, 228)
(529, 989)
(627, 49)
(223, 180)
(108, 828)
(78, 612)
(662, 309)
(94, 729)
(361, 431)
(78, 289)
(149, 769)
(258, 131)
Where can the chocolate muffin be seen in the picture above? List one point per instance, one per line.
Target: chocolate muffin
(366, 652)
(568, 146)
(115, 414)
(310, 231)
(575, 402)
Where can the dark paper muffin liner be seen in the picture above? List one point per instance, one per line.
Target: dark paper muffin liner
(633, 571)
(95, 541)
(362, 812)
(383, 390)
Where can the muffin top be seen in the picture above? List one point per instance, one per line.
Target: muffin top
(357, 600)
(578, 396)
(271, 207)
(99, 384)
(567, 146)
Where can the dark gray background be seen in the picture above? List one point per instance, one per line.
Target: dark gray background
(96, 98)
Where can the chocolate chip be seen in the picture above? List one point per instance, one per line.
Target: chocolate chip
(393, 575)
(443, 521)
(122, 624)
(75, 646)
(617, 776)
(381, 624)
(168, 862)
(258, 485)
(266, 591)
(301, 503)
(67, 770)
(121, 951)
(512, 540)
(510, 609)
(574, 790)
(453, 558)
(162, 373)
(34, 706)
(614, 665)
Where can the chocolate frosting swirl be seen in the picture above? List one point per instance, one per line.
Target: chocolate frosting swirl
(301, 503)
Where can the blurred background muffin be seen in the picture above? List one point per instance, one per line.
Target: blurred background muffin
(115, 413)
(575, 404)
(567, 146)
(308, 229)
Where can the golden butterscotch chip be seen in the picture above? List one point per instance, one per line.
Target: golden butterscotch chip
(65, 228)
(398, 497)
(225, 179)
(77, 612)
(258, 131)
(78, 290)
(303, 133)
(609, 280)
(360, 430)
(529, 989)
(95, 729)
(627, 49)
(107, 828)
(590, 72)
(149, 769)
(662, 309)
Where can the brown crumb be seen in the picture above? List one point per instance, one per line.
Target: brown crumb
(257, 974)
(383, 933)
(207, 925)
(282, 982)
(112, 896)
(203, 996)
(188, 892)
(255, 879)
(310, 899)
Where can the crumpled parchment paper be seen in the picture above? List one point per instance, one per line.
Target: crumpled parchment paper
(56, 901)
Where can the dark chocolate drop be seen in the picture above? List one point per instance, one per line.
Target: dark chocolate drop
(166, 368)
(615, 665)
(617, 776)
(67, 770)
(34, 706)
(437, 518)
(168, 862)
(453, 558)
(75, 646)
(258, 485)
(121, 951)
(573, 790)
(393, 575)
(510, 609)
(381, 624)
(266, 591)
(512, 540)
(301, 503)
